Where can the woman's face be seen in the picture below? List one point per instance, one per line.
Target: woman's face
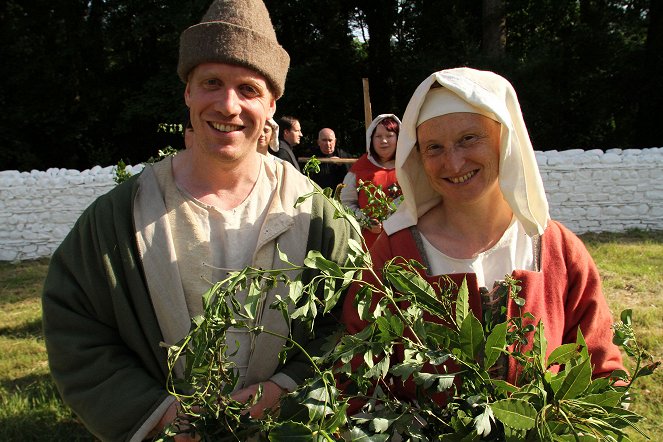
(384, 143)
(264, 139)
(460, 155)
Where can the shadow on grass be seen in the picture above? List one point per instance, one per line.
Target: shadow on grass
(630, 236)
(30, 329)
(31, 410)
(40, 426)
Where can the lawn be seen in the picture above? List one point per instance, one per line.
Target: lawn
(631, 265)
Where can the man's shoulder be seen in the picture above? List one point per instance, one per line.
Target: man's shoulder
(341, 153)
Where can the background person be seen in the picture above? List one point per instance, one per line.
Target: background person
(132, 272)
(269, 140)
(474, 207)
(290, 137)
(331, 174)
(377, 165)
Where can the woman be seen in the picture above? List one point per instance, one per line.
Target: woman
(377, 166)
(269, 138)
(474, 206)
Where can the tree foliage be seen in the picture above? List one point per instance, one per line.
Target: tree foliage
(89, 82)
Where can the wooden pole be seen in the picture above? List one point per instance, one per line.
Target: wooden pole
(368, 113)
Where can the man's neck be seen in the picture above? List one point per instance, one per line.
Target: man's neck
(220, 184)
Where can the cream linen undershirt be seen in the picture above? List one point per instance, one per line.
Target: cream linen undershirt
(514, 251)
(210, 242)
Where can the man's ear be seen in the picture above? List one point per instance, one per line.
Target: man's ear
(272, 109)
(187, 94)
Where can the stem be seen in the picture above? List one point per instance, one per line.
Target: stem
(289, 339)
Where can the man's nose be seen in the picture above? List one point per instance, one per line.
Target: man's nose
(228, 102)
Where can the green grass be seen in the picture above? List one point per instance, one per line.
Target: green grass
(30, 407)
(631, 265)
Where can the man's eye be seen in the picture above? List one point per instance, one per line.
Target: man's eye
(249, 91)
(211, 82)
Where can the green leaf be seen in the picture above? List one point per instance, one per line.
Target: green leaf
(503, 386)
(379, 370)
(380, 424)
(357, 434)
(295, 291)
(317, 401)
(331, 295)
(540, 345)
(253, 299)
(515, 413)
(580, 341)
(627, 316)
(562, 354)
(609, 399)
(495, 343)
(303, 198)
(339, 419)
(462, 303)
(315, 260)
(471, 336)
(282, 255)
(405, 369)
(427, 380)
(363, 300)
(417, 288)
(576, 381)
(290, 431)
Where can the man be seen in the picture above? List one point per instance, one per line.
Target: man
(289, 137)
(132, 272)
(331, 174)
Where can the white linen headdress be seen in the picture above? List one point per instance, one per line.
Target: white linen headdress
(519, 177)
(274, 142)
(373, 125)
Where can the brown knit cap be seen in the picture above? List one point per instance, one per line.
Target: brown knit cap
(237, 32)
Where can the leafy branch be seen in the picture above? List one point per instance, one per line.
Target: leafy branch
(454, 361)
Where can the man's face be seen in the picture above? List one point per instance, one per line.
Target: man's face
(327, 141)
(228, 107)
(293, 136)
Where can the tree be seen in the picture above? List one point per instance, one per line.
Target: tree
(89, 82)
(493, 43)
(651, 94)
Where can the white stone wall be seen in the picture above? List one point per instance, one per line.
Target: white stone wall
(587, 191)
(612, 191)
(37, 208)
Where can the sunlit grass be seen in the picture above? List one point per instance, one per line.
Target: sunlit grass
(631, 267)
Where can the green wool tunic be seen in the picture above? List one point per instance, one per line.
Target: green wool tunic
(102, 328)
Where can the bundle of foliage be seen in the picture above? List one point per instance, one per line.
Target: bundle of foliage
(566, 405)
(122, 174)
(381, 203)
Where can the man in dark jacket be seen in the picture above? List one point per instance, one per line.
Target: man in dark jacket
(332, 166)
(290, 134)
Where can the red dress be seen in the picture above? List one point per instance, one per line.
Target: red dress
(365, 170)
(565, 294)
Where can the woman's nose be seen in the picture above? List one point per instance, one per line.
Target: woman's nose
(454, 160)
